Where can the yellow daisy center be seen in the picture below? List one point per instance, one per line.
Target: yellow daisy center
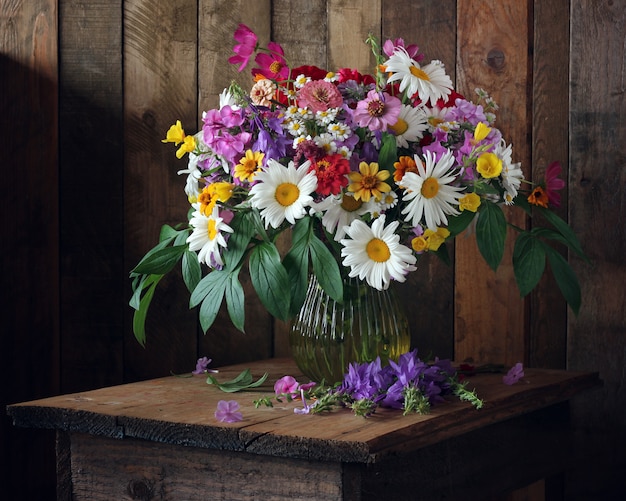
(350, 204)
(378, 250)
(400, 127)
(419, 73)
(211, 229)
(430, 187)
(286, 194)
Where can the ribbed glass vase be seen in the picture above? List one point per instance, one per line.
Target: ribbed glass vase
(327, 336)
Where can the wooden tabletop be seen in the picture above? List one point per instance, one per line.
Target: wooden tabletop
(180, 410)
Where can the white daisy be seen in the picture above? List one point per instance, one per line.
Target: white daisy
(411, 124)
(375, 254)
(430, 82)
(511, 174)
(339, 211)
(429, 192)
(207, 237)
(283, 192)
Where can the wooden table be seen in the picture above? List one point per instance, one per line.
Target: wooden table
(159, 439)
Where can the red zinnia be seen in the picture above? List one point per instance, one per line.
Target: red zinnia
(331, 173)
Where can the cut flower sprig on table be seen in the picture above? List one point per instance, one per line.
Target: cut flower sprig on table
(369, 172)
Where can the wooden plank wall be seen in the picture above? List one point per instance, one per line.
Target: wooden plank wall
(89, 89)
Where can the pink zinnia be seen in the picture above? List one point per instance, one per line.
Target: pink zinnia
(377, 111)
(320, 95)
(247, 45)
(554, 183)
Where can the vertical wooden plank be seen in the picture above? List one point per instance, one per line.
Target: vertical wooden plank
(160, 87)
(349, 24)
(428, 294)
(218, 20)
(550, 110)
(91, 190)
(29, 251)
(596, 212)
(493, 54)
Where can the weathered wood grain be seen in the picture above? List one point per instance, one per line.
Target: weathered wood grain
(490, 316)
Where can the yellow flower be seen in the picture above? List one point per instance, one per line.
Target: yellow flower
(489, 165)
(213, 193)
(175, 134)
(419, 244)
(249, 165)
(469, 202)
(434, 239)
(368, 182)
(481, 131)
(189, 144)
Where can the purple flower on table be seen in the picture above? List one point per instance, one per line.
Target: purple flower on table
(228, 412)
(306, 408)
(514, 375)
(286, 385)
(201, 365)
(364, 380)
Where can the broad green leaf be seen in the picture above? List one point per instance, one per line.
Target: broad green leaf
(192, 272)
(563, 228)
(157, 248)
(139, 318)
(491, 233)
(548, 234)
(529, 261)
(167, 233)
(326, 269)
(161, 261)
(270, 280)
(243, 230)
(181, 237)
(213, 300)
(235, 303)
(565, 279)
(297, 263)
(457, 224)
(204, 287)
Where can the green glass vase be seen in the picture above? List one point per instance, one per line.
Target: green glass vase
(326, 336)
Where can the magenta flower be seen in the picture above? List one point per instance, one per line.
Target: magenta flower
(412, 50)
(246, 47)
(228, 412)
(377, 111)
(554, 183)
(286, 385)
(514, 375)
(272, 65)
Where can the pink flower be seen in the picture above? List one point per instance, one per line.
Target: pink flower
(377, 111)
(514, 375)
(554, 183)
(247, 45)
(286, 385)
(412, 50)
(228, 412)
(319, 95)
(201, 365)
(272, 65)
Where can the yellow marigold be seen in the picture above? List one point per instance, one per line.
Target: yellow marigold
(538, 197)
(402, 166)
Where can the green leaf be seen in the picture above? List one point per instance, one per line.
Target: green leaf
(270, 279)
(192, 272)
(139, 317)
(457, 224)
(213, 300)
(243, 230)
(160, 261)
(167, 233)
(529, 261)
(235, 303)
(491, 233)
(297, 263)
(563, 228)
(242, 382)
(387, 155)
(565, 279)
(326, 269)
(212, 280)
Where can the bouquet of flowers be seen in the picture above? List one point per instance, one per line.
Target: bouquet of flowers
(368, 172)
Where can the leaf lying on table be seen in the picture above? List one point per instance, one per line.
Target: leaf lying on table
(242, 382)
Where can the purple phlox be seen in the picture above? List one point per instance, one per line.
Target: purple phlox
(514, 375)
(201, 365)
(228, 411)
(466, 111)
(245, 48)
